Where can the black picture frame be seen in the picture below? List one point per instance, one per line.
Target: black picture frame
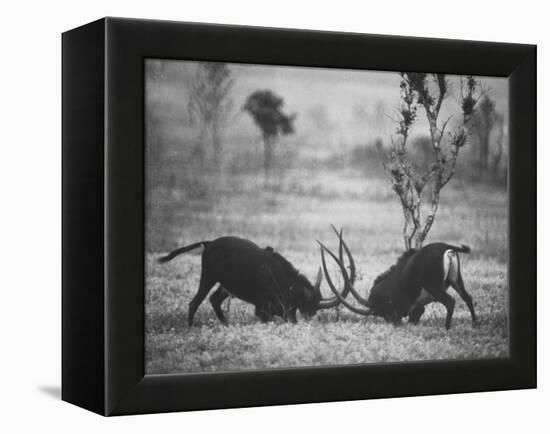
(103, 216)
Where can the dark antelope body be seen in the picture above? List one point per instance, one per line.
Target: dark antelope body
(258, 276)
(420, 276)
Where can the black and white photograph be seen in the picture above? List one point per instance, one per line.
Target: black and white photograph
(299, 217)
(275, 217)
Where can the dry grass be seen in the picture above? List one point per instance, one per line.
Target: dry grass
(290, 216)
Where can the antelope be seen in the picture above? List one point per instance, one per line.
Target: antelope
(259, 276)
(419, 277)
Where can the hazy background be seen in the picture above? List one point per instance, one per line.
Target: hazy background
(337, 110)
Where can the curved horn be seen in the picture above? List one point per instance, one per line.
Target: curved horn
(339, 296)
(352, 268)
(327, 303)
(357, 296)
(318, 281)
(349, 255)
(341, 240)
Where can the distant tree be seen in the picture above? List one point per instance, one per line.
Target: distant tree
(265, 108)
(496, 167)
(426, 92)
(209, 105)
(483, 122)
(155, 75)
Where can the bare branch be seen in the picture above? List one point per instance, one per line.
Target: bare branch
(443, 126)
(442, 85)
(429, 91)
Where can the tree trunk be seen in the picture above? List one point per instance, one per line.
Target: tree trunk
(216, 146)
(268, 156)
(197, 154)
(483, 152)
(499, 150)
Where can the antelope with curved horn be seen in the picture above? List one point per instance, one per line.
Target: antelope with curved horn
(262, 277)
(420, 276)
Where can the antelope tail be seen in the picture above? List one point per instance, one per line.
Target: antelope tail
(181, 250)
(462, 249)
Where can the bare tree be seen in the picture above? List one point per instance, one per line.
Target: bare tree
(266, 109)
(488, 128)
(425, 93)
(498, 173)
(483, 122)
(209, 105)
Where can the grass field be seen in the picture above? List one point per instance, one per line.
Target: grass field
(290, 216)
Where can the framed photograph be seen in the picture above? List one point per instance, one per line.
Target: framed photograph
(262, 216)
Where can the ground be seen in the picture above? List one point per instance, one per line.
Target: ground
(290, 216)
